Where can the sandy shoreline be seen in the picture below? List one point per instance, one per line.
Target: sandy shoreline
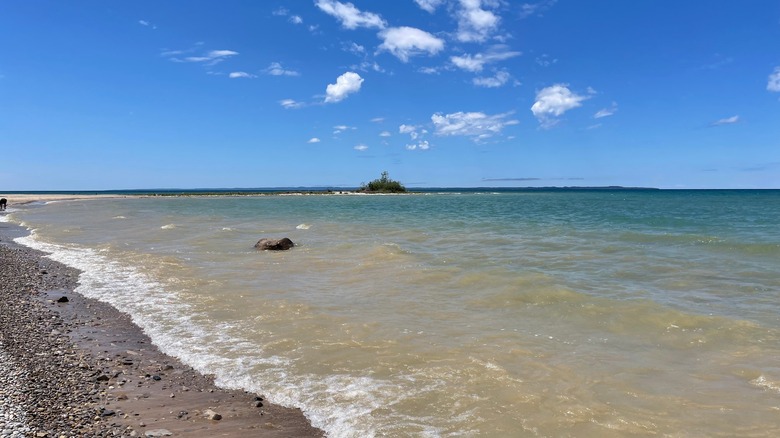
(84, 369)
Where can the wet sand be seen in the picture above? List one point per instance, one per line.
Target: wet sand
(82, 368)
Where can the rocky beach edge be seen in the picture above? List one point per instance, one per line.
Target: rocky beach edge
(71, 366)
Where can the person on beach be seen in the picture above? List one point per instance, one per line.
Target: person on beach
(3, 202)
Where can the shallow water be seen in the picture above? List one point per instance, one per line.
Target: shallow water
(614, 313)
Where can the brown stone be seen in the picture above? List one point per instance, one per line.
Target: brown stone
(274, 244)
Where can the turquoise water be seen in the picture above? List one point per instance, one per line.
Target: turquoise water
(566, 313)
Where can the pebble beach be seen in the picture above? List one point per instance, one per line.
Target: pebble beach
(76, 367)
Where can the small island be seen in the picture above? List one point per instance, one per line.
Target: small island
(382, 185)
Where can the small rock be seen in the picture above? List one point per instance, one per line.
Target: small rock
(211, 415)
(158, 433)
(63, 299)
(274, 244)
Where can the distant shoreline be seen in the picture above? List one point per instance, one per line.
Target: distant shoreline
(26, 196)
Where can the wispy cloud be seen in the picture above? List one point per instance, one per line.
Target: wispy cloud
(606, 112)
(552, 102)
(727, 121)
(314, 140)
(240, 74)
(291, 104)
(429, 70)
(538, 8)
(353, 47)
(385, 134)
(209, 58)
(346, 84)
(350, 16)
(774, 80)
(477, 62)
(338, 129)
(276, 69)
(361, 147)
(147, 24)
(477, 125)
(719, 61)
(545, 60)
(404, 42)
(283, 12)
(499, 79)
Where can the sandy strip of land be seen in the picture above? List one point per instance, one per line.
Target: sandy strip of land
(80, 368)
(25, 198)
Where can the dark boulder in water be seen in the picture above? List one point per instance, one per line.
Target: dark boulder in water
(274, 244)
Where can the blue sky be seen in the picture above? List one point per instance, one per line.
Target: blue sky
(204, 94)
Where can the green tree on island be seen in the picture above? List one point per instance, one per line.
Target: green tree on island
(383, 185)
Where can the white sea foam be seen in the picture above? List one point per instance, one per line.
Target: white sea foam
(171, 325)
(168, 227)
(762, 382)
(303, 227)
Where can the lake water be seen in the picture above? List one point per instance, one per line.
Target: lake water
(508, 314)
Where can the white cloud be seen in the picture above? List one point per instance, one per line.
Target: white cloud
(422, 145)
(210, 58)
(474, 23)
(552, 102)
(409, 129)
(477, 125)
(240, 74)
(378, 119)
(360, 147)
(338, 129)
(774, 81)
(280, 12)
(429, 70)
(727, 121)
(477, 62)
(350, 16)
(606, 112)
(500, 78)
(346, 84)
(429, 5)
(385, 134)
(404, 42)
(276, 69)
(290, 104)
(296, 19)
(314, 140)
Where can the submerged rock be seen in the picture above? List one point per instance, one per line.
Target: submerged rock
(274, 244)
